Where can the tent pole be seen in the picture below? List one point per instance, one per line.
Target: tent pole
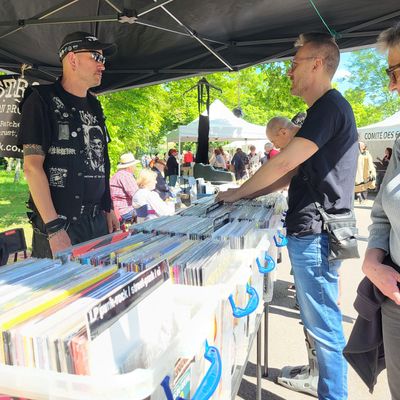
(179, 155)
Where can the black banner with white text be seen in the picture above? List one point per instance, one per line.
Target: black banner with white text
(12, 89)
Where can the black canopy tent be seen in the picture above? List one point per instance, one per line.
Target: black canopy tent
(170, 39)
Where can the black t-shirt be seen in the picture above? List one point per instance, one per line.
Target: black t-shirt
(331, 170)
(36, 129)
(172, 166)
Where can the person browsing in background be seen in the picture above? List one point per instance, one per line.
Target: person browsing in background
(382, 258)
(320, 162)
(146, 195)
(366, 173)
(239, 163)
(158, 166)
(381, 166)
(123, 187)
(280, 131)
(225, 155)
(211, 155)
(64, 139)
(218, 161)
(386, 158)
(267, 149)
(254, 160)
(172, 167)
(188, 158)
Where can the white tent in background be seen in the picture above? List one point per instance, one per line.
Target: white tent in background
(380, 135)
(224, 126)
(245, 144)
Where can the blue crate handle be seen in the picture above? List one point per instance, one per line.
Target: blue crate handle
(251, 305)
(270, 264)
(283, 240)
(210, 381)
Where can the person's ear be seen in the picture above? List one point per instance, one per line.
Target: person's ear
(318, 63)
(72, 60)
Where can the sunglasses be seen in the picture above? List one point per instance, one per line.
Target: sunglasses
(98, 57)
(294, 63)
(390, 72)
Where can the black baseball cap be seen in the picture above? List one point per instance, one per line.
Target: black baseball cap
(84, 41)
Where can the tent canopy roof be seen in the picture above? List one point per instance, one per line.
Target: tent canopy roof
(170, 39)
(224, 126)
(393, 120)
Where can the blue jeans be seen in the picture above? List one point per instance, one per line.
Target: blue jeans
(317, 284)
(172, 180)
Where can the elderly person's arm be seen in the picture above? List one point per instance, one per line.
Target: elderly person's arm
(385, 278)
(158, 205)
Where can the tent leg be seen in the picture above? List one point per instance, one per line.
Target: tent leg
(179, 155)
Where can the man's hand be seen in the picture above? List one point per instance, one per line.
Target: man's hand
(385, 278)
(230, 196)
(59, 241)
(112, 222)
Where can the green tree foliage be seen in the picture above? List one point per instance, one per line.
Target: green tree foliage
(262, 92)
(368, 93)
(139, 119)
(134, 119)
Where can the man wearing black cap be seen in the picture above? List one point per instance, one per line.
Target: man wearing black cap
(64, 139)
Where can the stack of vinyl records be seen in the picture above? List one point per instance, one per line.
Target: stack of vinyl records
(259, 211)
(204, 263)
(50, 312)
(239, 234)
(193, 227)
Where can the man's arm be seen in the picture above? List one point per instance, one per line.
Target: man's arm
(40, 191)
(280, 184)
(112, 221)
(298, 151)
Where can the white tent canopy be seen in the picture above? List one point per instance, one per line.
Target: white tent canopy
(224, 126)
(381, 135)
(245, 144)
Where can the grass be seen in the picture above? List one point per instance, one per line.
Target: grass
(13, 197)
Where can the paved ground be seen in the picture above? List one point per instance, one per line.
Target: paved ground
(286, 339)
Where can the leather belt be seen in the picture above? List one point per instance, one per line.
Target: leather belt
(90, 209)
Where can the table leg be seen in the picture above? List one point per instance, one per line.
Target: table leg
(258, 396)
(266, 318)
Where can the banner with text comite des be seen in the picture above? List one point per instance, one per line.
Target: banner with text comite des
(12, 89)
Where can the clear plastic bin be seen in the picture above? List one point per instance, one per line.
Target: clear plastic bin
(197, 312)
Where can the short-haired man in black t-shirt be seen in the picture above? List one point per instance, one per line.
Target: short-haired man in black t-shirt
(319, 161)
(66, 163)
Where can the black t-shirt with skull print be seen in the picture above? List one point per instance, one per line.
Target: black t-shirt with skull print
(85, 128)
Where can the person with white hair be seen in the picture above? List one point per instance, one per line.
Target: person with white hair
(382, 258)
(146, 196)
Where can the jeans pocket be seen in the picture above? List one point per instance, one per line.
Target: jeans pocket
(334, 266)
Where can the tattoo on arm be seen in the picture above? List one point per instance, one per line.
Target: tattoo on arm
(33, 149)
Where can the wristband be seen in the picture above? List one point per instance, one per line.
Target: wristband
(55, 225)
(51, 235)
